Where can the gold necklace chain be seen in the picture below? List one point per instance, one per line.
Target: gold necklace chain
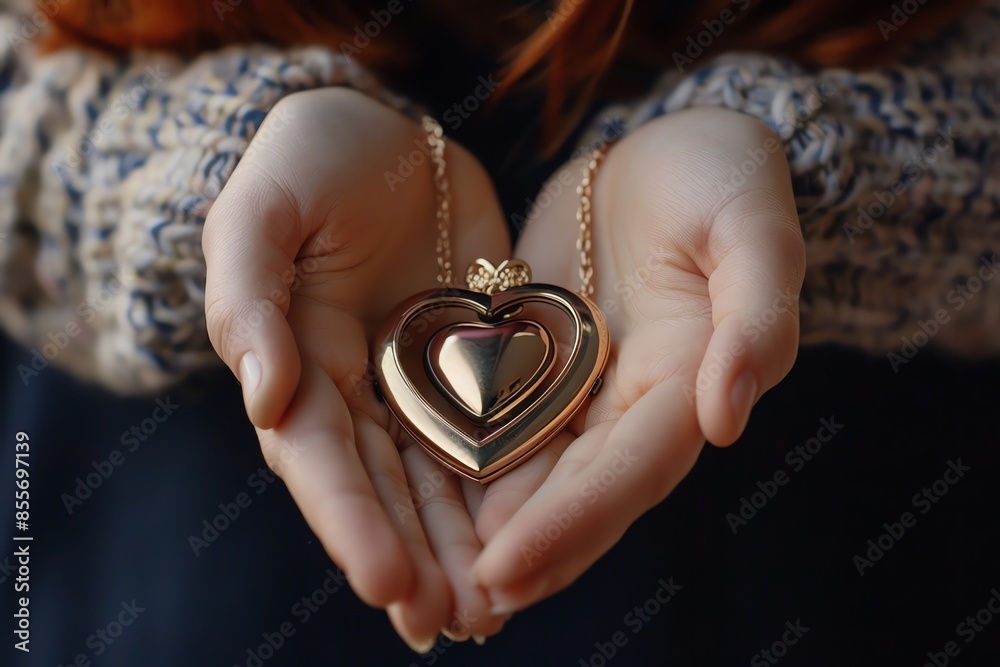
(585, 216)
(435, 139)
(584, 212)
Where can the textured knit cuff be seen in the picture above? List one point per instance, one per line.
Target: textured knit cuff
(896, 174)
(107, 171)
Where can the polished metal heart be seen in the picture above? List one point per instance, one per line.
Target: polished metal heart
(485, 368)
(482, 381)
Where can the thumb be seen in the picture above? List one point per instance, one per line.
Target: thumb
(250, 241)
(759, 264)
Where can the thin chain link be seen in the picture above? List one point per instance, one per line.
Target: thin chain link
(435, 140)
(584, 214)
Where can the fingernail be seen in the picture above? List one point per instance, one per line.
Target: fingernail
(501, 608)
(507, 607)
(504, 602)
(424, 647)
(250, 373)
(479, 639)
(743, 394)
(395, 611)
(453, 637)
(419, 646)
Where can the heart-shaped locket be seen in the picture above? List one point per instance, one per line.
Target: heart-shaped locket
(484, 377)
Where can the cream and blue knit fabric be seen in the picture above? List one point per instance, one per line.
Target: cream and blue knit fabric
(108, 169)
(896, 174)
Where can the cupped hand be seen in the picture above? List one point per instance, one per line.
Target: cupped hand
(327, 224)
(698, 263)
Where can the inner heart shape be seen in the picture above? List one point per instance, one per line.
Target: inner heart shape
(482, 381)
(484, 369)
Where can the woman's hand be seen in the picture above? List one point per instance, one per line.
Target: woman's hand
(698, 271)
(326, 225)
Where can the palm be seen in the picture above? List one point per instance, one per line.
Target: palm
(309, 226)
(660, 327)
(659, 335)
(386, 254)
(676, 285)
(474, 514)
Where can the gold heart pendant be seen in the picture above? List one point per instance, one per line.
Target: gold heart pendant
(484, 377)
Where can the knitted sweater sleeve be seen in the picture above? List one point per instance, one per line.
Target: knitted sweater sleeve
(896, 174)
(107, 171)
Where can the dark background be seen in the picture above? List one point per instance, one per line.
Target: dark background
(791, 562)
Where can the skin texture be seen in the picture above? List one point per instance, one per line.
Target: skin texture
(682, 264)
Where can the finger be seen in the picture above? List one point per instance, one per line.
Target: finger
(758, 265)
(250, 241)
(314, 452)
(606, 479)
(749, 246)
(473, 492)
(420, 616)
(442, 512)
(505, 496)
